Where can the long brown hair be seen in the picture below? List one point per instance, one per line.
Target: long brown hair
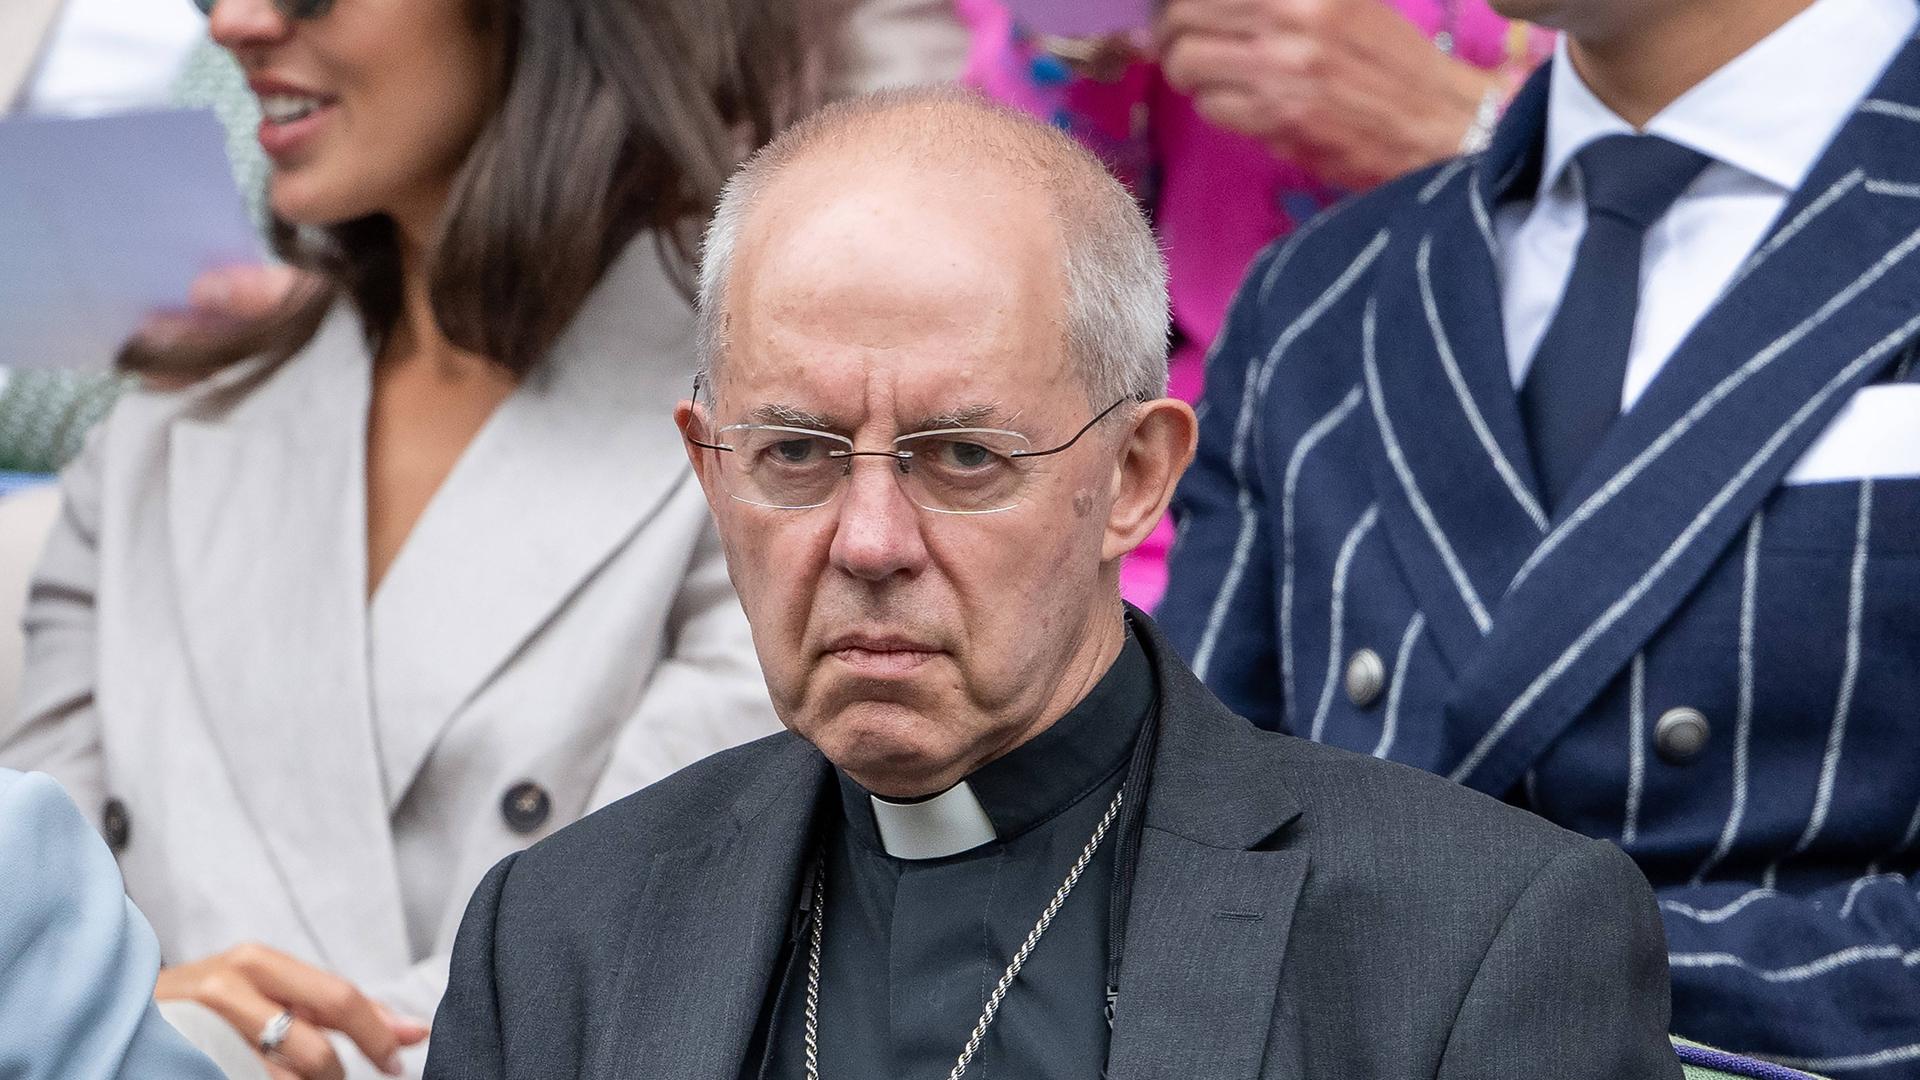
(615, 118)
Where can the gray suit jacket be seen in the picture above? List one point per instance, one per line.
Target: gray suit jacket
(1299, 911)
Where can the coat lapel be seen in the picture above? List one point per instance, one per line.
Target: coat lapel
(708, 932)
(1211, 913)
(568, 469)
(1456, 483)
(266, 509)
(1827, 301)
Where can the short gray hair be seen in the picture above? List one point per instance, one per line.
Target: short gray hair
(1116, 305)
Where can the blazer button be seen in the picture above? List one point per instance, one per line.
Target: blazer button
(115, 825)
(1680, 735)
(1366, 678)
(526, 807)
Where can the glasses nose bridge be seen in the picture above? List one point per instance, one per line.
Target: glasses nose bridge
(878, 517)
(895, 472)
(901, 459)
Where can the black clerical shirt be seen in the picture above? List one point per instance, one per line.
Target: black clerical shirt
(913, 947)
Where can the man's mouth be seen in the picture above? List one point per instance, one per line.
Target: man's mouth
(881, 656)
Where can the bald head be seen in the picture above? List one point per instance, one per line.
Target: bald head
(868, 179)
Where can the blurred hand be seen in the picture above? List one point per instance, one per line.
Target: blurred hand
(219, 299)
(1348, 88)
(251, 984)
(1104, 58)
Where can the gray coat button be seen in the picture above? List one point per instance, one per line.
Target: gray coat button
(526, 807)
(1680, 735)
(115, 825)
(1366, 678)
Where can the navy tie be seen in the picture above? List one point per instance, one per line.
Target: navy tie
(1571, 394)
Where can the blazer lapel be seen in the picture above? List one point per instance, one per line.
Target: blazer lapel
(708, 932)
(1211, 914)
(1826, 302)
(567, 470)
(265, 509)
(1456, 483)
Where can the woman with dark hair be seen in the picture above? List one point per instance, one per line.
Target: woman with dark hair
(411, 571)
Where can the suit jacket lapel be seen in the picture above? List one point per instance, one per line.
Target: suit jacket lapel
(1826, 302)
(1456, 483)
(1211, 914)
(708, 932)
(572, 464)
(266, 509)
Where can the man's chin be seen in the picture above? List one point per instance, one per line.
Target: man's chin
(890, 748)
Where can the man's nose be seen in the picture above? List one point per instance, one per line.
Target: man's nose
(878, 534)
(240, 25)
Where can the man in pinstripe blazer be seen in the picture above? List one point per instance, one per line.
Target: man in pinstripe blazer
(1697, 632)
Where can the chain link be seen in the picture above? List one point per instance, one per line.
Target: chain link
(813, 968)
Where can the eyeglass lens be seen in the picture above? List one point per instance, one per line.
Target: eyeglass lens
(949, 472)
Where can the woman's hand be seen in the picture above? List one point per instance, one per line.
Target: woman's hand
(249, 985)
(1348, 88)
(217, 302)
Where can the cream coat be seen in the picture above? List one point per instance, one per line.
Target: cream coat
(303, 768)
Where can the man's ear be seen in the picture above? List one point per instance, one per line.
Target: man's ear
(1158, 449)
(692, 422)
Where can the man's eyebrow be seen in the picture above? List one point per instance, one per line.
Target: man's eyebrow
(987, 414)
(789, 416)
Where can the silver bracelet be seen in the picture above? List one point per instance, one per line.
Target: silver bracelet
(1480, 133)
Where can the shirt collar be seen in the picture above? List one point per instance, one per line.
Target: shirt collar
(1770, 113)
(1023, 788)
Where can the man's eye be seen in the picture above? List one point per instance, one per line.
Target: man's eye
(796, 451)
(966, 455)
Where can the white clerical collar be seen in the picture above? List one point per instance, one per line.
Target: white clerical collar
(947, 824)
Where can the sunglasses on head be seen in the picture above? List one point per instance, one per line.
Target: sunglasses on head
(292, 9)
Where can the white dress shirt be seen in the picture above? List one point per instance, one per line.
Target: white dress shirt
(1763, 119)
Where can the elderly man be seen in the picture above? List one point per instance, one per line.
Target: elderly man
(1008, 833)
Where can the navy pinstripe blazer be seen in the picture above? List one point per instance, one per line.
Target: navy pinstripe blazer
(1364, 482)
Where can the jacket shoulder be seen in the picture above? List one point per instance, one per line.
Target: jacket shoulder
(1342, 784)
(1394, 838)
(1348, 802)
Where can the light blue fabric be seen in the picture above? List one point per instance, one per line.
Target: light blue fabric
(77, 960)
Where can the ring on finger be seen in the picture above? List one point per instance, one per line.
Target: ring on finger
(275, 1033)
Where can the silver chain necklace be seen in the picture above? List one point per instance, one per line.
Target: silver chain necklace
(999, 994)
